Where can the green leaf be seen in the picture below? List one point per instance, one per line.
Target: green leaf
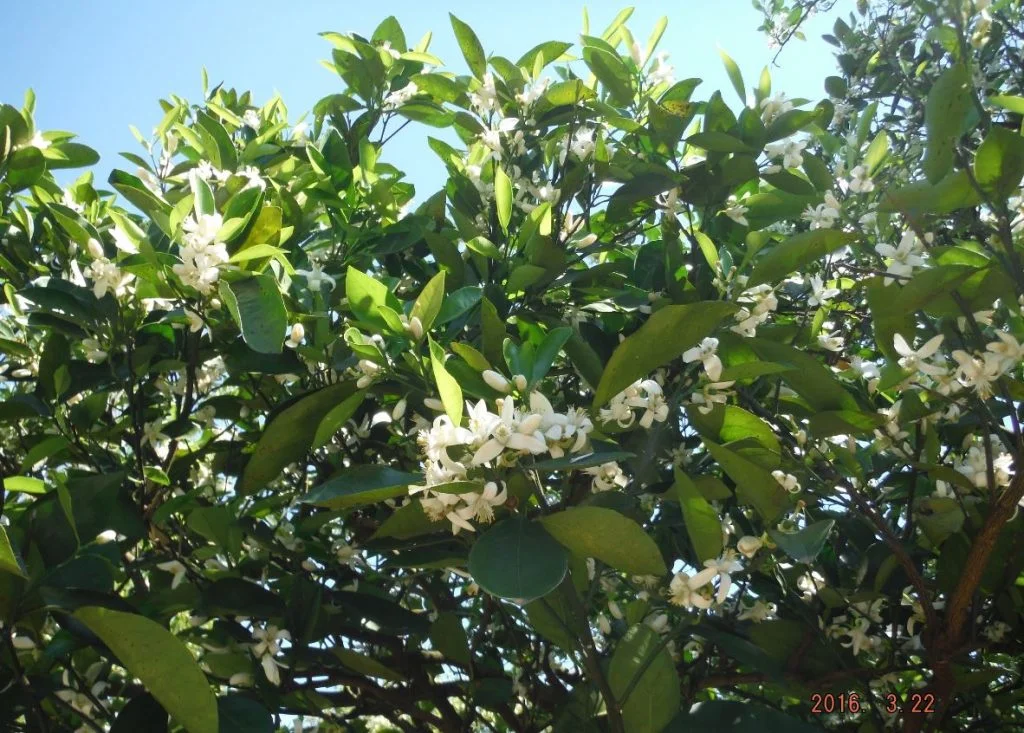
(718, 142)
(931, 283)
(876, 153)
(366, 296)
(642, 667)
(804, 546)
(568, 93)
(789, 123)
(602, 453)
(289, 434)
(551, 617)
(338, 416)
(163, 664)
(8, 560)
(945, 111)
(239, 714)
(451, 392)
(257, 307)
(664, 336)
(548, 351)
(449, 638)
(409, 521)
(458, 303)
(734, 75)
(1008, 102)
(703, 524)
(953, 192)
(754, 485)
(796, 253)
(364, 665)
(729, 424)
(843, 422)
(503, 197)
(142, 714)
(362, 484)
(612, 73)
(808, 377)
(202, 195)
(591, 531)
(472, 51)
(133, 189)
(999, 162)
(518, 559)
(238, 597)
(429, 302)
(25, 484)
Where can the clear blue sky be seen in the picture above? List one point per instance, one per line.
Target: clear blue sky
(99, 65)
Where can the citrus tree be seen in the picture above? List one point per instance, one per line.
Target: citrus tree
(667, 412)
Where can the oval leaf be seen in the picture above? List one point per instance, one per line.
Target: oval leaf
(518, 559)
(612, 538)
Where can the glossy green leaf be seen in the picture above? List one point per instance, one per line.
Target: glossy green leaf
(503, 197)
(605, 534)
(8, 560)
(999, 162)
(796, 253)
(364, 484)
(163, 664)
(429, 302)
(472, 51)
(517, 559)
(643, 678)
(239, 714)
(451, 392)
(804, 546)
(664, 336)
(703, 525)
(754, 485)
(256, 305)
(289, 435)
(734, 75)
(948, 102)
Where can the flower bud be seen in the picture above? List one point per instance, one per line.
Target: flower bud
(520, 382)
(415, 327)
(748, 546)
(496, 381)
(298, 333)
(95, 249)
(587, 240)
(398, 412)
(614, 610)
(432, 403)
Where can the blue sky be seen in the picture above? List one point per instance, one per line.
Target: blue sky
(98, 66)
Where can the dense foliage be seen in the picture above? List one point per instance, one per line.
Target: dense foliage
(667, 413)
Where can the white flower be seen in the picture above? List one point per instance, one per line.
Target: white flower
(736, 211)
(582, 144)
(295, 336)
(607, 476)
(824, 215)
(978, 372)
(720, 568)
(485, 98)
(481, 505)
(757, 612)
(820, 295)
(369, 371)
(772, 107)
(903, 258)
(681, 593)
(859, 638)
(832, 341)
(711, 393)
(791, 152)
(914, 361)
(706, 354)
(106, 276)
(151, 434)
(267, 645)
(662, 72)
(176, 569)
(860, 180)
(1008, 350)
(315, 277)
(748, 545)
(787, 481)
(195, 321)
(512, 432)
(255, 180)
(93, 352)
(251, 118)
